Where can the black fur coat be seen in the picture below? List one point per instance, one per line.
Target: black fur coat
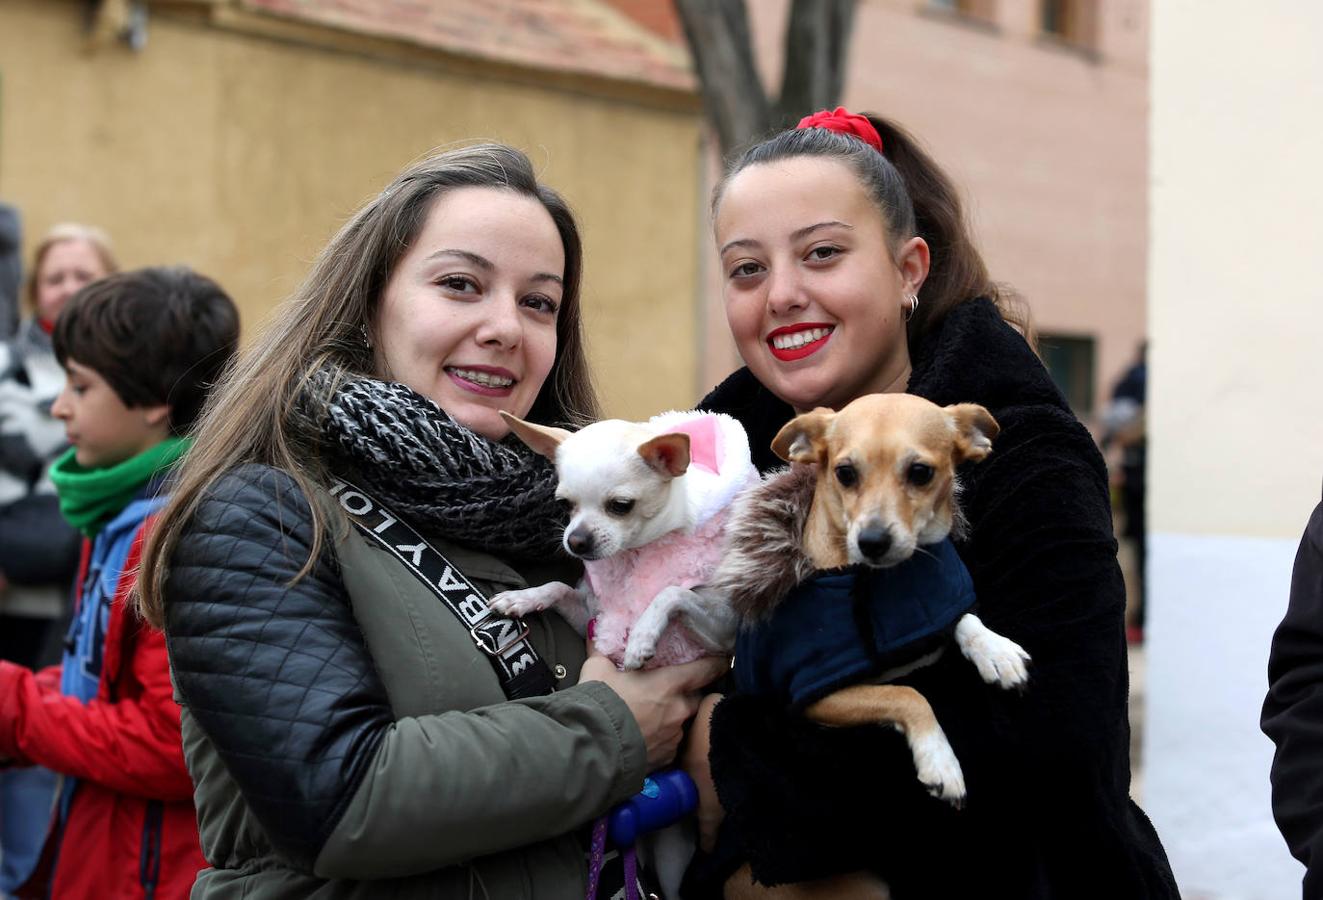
(1294, 707)
(1048, 771)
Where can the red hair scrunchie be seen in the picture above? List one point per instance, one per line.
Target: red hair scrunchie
(842, 121)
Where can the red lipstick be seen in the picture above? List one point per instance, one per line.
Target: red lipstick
(804, 350)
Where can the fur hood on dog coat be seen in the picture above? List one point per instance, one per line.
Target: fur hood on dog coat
(624, 584)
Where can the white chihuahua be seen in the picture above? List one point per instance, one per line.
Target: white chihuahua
(648, 503)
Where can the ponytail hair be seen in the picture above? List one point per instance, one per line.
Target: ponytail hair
(915, 198)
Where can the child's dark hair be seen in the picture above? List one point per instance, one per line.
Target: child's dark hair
(157, 336)
(915, 197)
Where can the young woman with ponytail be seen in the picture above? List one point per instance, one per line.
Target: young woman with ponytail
(844, 236)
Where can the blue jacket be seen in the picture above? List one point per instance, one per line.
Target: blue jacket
(843, 626)
(100, 583)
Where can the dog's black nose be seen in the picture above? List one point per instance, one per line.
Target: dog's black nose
(580, 542)
(874, 542)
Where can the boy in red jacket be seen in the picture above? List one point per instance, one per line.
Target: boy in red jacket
(140, 350)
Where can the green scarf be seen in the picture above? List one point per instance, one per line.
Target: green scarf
(90, 498)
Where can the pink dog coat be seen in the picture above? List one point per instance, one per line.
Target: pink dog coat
(625, 584)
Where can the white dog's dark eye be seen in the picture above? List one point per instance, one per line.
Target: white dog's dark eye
(619, 506)
(846, 475)
(920, 474)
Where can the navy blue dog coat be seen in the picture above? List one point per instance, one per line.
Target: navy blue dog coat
(846, 625)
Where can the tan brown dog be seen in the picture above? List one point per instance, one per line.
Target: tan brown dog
(886, 474)
(885, 486)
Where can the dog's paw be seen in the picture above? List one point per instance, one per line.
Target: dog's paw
(999, 659)
(938, 769)
(637, 656)
(646, 633)
(520, 603)
(641, 645)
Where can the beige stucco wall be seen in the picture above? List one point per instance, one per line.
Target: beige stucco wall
(1048, 144)
(1235, 431)
(1237, 309)
(240, 155)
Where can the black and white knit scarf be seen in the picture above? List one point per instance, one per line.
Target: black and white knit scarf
(439, 476)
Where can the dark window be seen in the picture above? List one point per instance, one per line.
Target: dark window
(1070, 359)
(1056, 14)
(1073, 22)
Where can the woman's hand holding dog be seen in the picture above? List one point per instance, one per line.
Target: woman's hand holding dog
(662, 699)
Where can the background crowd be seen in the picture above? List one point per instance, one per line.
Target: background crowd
(38, 548)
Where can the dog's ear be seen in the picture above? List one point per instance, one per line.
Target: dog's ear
(541, 439)
(975, 429)
(667, 453)
(799, 439)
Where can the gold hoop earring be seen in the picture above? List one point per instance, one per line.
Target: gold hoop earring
(914, 306)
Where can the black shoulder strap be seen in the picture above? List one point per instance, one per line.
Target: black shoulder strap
(503, 641)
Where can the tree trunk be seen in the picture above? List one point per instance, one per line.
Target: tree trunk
(817, 45)
(734, 99)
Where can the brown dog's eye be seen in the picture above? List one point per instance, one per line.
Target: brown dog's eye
(846, 475)
(619, 506)
(920, 474)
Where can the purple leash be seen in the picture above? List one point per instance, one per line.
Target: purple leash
(596, 857)
(631, 874)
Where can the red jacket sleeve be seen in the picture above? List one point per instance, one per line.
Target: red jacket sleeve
(130, 744)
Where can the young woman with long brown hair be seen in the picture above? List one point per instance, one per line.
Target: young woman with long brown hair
(348, 733)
